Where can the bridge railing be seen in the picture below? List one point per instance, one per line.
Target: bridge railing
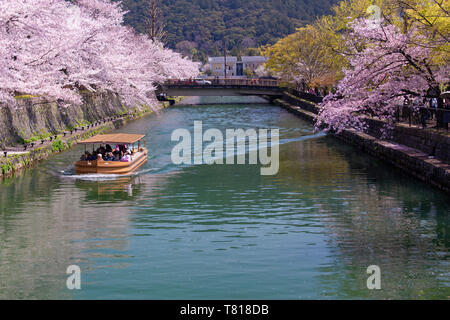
(227, 82)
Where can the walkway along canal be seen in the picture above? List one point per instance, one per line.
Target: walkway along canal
(225, 231)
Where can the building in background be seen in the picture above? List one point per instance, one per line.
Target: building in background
(253, 62)
(217, 66)
(236, 67)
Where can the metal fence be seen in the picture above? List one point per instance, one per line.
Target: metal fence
(436, 118)
(426, 117)
(227, 82)
(305, 95)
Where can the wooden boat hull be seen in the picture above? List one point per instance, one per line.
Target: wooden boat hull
(111, 167)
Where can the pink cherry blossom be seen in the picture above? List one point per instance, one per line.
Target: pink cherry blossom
(54, 48)
(390, 67)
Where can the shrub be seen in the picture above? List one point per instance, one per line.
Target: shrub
(58, 146)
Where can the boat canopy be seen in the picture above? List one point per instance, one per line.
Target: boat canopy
(119, 138)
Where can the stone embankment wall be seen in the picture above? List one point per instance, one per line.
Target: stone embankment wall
(421, 153)
(428, 141)
(14, 163)
(35, 118)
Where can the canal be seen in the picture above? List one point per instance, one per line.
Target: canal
(225, 231)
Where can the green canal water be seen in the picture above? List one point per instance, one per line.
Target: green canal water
(225, 231)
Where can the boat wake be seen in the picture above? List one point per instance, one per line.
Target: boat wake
(70, 174)
(167, 167)
(303, 138)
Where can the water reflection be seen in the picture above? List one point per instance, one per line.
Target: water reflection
(401, 225)
(225, 231)
(44, 229)
(111, 190)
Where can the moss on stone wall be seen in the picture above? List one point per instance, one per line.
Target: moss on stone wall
(35, 118)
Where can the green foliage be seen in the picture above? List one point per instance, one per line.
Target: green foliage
(5, 168)
(248, 73)
(58, 146)
(241, 23)
(38, 136)
(82, 123)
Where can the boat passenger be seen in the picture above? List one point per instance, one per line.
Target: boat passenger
(126, 158)
(108, 148)
(91, 157)
(85, 156)
(109, 157)
(101, 150)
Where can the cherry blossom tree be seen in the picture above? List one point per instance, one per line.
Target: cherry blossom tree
(388, 67)
(54, 48)
(32, 42)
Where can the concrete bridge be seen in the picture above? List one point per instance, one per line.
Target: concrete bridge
(269, 89)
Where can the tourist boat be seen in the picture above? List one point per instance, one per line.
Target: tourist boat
(100, 166)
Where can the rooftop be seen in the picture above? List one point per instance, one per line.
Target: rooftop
(221, 59)
(253, 58)
(120, 138)
(235, 59)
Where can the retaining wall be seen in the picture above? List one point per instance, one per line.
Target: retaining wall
(430, 142)
(33, 118)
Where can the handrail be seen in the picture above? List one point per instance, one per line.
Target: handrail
(422, 114)
(226, 82)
